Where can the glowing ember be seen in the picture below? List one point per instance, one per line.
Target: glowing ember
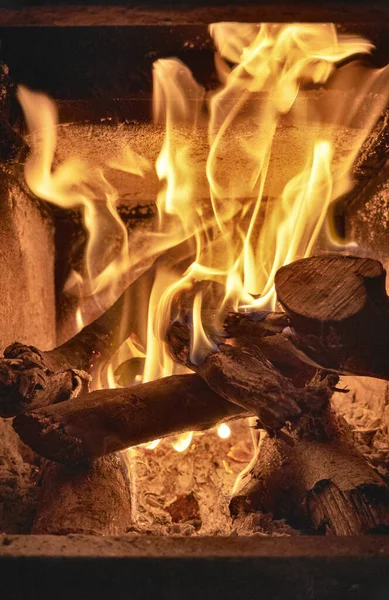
(224, 431)
(249, 225)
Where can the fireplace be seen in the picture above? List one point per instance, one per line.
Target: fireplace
(195, 206)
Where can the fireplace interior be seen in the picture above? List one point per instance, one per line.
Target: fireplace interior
(193, 315)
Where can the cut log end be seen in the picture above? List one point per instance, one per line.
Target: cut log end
(330, 288)
(339, 312)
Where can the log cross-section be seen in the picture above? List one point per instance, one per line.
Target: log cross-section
(339, 312)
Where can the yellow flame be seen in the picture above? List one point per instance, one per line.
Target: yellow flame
(79, 319)
(152, 445)
(73, 183)
(183, 441)
(130, 162)
(256, 217)
(201, 345)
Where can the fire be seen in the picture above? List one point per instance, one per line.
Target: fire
(252, 222)
(224, 431)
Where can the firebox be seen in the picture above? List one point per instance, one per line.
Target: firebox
(194, 316)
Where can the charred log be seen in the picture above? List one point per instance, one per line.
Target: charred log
(245, 376)
(314, 478)
(30, 378)
(92, 498)
(105, 421)
(266, 330)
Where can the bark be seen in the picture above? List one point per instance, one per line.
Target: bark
(92, 498)
(315, 479)
(267, 331)
(106, 421)
(30, 378)
(245, 377)
(339, 313)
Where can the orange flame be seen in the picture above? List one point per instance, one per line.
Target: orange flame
(258, 217)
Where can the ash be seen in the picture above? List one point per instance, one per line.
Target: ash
(188, 493)
(198, 481)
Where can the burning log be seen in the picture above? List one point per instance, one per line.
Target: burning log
(336, 317)
(92, 497)
(106, 421)
(266, 330)
(245, 377)
(30, 378)
(309, 473)
(339, 312)
(315, 478)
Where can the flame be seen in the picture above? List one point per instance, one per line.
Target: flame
(255, 218)
(223, 431)
(183, 441)
(73, 183)
(201, 345)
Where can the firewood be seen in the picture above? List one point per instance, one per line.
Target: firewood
(339, 312)
(106, 421)
(245, 376)
(266, 330)
(30, 378)
(92, 497)
(315, 478)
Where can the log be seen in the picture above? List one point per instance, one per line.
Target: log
(339, 312)
(266, 330)
(106, 421)
(91, 498)
(315, 479)
(245, 376)
(30, 378)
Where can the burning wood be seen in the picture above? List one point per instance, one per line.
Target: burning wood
(332, 303)
(245, 377)
(337, 306)
(241, 375)
(30, 378)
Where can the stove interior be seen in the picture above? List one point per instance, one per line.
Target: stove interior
(198, 160)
